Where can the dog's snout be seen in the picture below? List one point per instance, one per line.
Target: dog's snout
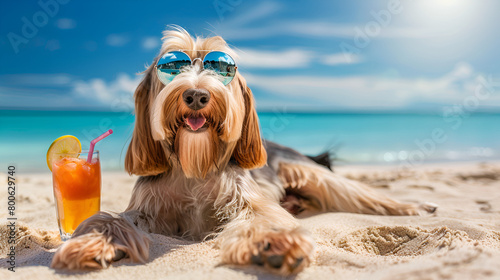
(196, 98)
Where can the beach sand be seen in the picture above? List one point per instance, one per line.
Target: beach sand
(460, 241)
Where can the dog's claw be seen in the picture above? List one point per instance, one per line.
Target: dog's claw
(275, 261)
(267, 246)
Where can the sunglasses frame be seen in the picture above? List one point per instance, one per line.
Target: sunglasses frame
(193, 61)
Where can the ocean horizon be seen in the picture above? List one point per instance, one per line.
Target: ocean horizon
(352, 137)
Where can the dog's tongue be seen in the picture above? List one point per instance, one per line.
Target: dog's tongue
(195, 122)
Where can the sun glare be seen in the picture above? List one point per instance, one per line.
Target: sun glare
(448, 7)
(444, 12)
(447, 3)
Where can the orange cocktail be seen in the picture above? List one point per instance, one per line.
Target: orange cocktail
(77, 190)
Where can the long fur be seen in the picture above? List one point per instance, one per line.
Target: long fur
(198, 185)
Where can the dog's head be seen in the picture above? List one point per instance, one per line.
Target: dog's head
(195, 123)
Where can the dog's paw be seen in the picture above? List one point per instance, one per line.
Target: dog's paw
(283, 251)
(89, 251)
(286, 252)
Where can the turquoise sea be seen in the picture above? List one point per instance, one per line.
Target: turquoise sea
(356, 138)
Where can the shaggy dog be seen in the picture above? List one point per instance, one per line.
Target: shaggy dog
(205, 172)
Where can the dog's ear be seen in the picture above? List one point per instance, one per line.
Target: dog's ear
(145, 156)
(249, 151)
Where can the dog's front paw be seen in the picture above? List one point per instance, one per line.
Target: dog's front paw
(282, 251)
(89, 251)
(287, 252)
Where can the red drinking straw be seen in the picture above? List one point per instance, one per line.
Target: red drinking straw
(93, 142)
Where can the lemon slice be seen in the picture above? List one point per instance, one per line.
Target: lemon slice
(68, 145)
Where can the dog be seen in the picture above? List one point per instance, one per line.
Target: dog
(205, 173)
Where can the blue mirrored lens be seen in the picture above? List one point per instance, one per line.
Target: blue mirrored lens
(222, 64)
(170, 65)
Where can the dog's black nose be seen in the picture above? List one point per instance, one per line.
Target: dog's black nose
(196, 98)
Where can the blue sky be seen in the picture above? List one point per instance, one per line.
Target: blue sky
(298, 55)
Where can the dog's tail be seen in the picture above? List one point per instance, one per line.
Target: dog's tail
(323, 159)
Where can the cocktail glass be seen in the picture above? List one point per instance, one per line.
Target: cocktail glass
(77, 189)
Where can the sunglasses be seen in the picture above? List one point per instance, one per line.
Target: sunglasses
(173, 63)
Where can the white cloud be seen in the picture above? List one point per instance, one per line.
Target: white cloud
(117, 40)
(329, 29)
(36, 91)
(308, 29)
(247, 25)
(66, 23)
(340, 58)
(150, 43)
(35, 80)
(259, 11)
(118, 92)
(373, 92)
(64, 91)
(291, 58)
(15, 97)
